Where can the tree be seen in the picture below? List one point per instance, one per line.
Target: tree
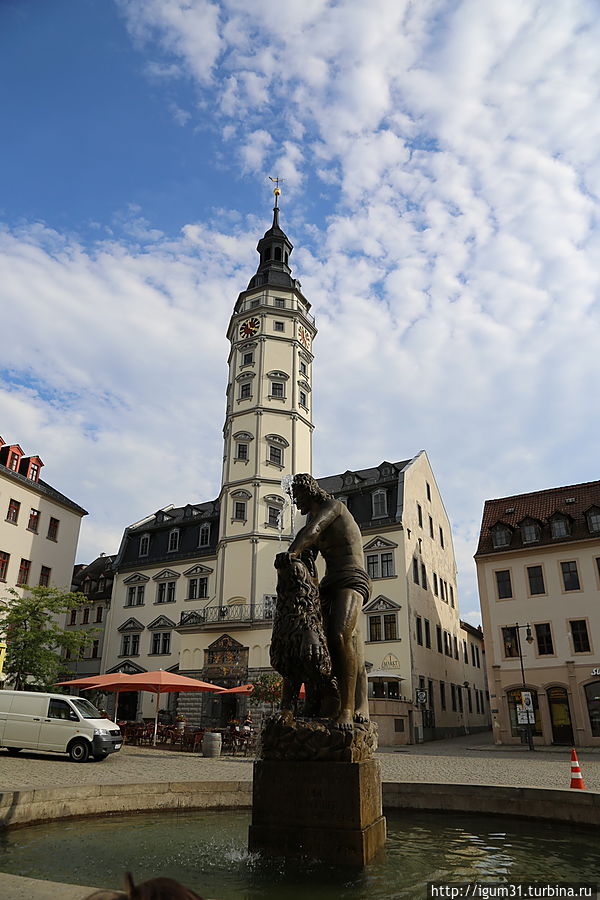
(267, 689)
(35, 640)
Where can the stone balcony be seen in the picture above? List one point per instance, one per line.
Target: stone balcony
(237, 615)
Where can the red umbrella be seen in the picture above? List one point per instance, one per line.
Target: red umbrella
(242, 689)
(116, 681)
(161, 682)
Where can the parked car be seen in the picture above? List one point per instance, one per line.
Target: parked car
(56, 722)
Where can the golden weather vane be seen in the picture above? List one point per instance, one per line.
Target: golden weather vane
(276, 189)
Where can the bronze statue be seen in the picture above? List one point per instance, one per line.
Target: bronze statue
(332, 531)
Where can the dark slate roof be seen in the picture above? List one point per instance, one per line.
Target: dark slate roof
(188, 519)
(101, 566)
(44, 488)
(573, 501)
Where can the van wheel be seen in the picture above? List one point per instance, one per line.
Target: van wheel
(13, 750)
(79, 751)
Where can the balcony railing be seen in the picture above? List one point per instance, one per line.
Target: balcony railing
(236, 613)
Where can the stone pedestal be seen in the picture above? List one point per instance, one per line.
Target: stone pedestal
(324, 810)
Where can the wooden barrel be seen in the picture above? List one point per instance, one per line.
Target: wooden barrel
(211, 744)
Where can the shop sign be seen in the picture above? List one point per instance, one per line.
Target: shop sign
(595, 671)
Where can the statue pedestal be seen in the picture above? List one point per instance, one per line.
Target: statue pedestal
(324, 810)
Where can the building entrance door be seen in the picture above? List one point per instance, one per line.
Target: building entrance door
(560, 716)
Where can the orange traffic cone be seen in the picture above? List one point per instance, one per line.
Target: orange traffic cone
(576, 777)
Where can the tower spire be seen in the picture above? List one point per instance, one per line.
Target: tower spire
(274, 249)
(277, 192)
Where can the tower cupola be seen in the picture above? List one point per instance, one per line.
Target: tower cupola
(274, 249)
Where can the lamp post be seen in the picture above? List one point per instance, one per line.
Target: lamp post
(529, 639)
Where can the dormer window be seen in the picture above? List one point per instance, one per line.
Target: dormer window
(379, 504)
(593, 519)
(501, 536)
(173, 541)
(13, 461)
(560, 526)
(144, 545)
(204, 539)
(530, 531)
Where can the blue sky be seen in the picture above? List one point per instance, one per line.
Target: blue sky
(441, 189)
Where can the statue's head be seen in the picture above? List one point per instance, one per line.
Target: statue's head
(305, 489)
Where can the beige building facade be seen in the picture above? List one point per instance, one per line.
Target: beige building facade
(538, 569)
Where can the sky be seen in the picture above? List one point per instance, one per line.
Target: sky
(441, 188)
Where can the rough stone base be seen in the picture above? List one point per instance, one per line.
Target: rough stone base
(328, 811)
(317, 740)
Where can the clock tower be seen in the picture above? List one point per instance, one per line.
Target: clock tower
(268, 423)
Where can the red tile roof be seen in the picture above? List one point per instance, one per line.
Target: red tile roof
(573, 501)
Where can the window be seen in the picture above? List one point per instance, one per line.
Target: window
(451, 596)
(438, 634)
(166, 592)
(442, 695)
(86, 586)
(379, 504)
(387, 565)
(278, 326)
(419, 631)
(275, 455)
(579, 632)
(130, 645)
(4, 560)
(135, 595)
(45, 576)
(380, 565)
(53, 529)
(441, 537)
(278, 390)
(86, 616)
(13, 512)
(279, 303)
(34, 520)
(420, 515)
(24, 568)
(430, 527)
(34, 471)
(245, 390)
(466, 652)
(173, 541)
(428, 488)
(415, 570)
(303, 400)
(447, 648)
(204, 536)
(383, 627)
(593, 520)
(303, 369)
(427, 633)
(273, 516)
(95, 649)
(473, 654)
(144, 545)
(455, 645)
(592, 693)
(443, 590)
(559, 527)
(501, 536)
(13, 462)
(510, 641)
(99, 614)
(478, 662)
(248, 359)
(239, 510)
(198, 588)
(453, 696)
(530, 532)
(161, 642)
(570, 576)
(60, 709)
(543, 634)
(73, 617)
(536, 580)
(503, 584)
(435, 584)
(241, 451)
(423, 576)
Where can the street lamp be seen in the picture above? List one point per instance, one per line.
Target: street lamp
(529, 639)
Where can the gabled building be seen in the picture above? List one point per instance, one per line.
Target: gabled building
(39, 526)
(96, 582)
(538, 568)
(195, 585)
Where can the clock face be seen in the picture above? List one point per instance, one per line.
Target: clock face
(304, 337)
(249, 328)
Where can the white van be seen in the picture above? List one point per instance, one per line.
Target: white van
(32, 721)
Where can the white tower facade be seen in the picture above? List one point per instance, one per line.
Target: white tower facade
(268, 423)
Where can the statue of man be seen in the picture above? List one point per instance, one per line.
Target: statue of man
(332, 531)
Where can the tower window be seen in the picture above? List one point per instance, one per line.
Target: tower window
(303, 400)
(278, 390)
(273, 516)
(241, 452)
(248, 358)
(279, 302)
(239, 510)
(278, 326)
(275, 455)
(245, 390)
(278, 253)
(302, 368)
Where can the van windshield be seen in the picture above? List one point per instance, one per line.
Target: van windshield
(86, 709)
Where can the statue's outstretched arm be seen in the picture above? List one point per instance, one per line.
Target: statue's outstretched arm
(309, 534)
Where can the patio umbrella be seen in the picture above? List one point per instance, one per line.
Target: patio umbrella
(161, 682)
(249, 688)
(115, 681)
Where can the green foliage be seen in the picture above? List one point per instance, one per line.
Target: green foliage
(34, 636)
(267, 689)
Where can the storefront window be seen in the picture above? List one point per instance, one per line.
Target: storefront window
(514, 699)
(592, 693)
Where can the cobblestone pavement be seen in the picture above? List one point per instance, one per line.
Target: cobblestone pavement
(466, 760)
